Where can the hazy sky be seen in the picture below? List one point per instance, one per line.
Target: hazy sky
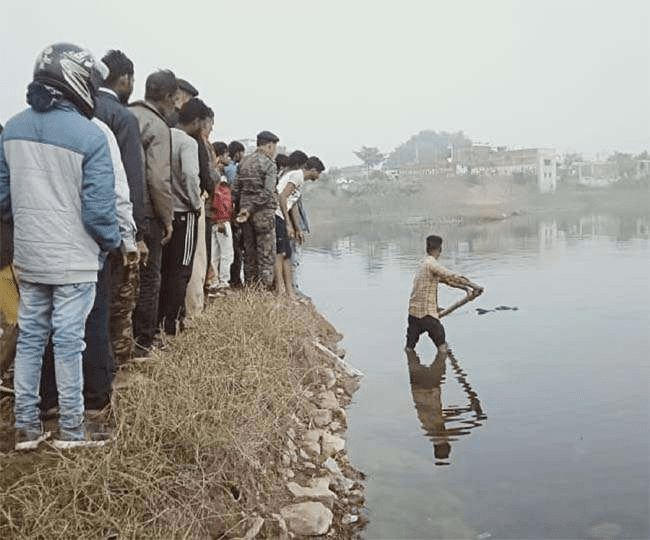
(329, 76)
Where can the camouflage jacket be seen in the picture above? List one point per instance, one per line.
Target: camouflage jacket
(254, 187)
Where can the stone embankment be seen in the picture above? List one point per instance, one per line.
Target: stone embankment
(326, 492)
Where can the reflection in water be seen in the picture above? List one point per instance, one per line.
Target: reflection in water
(568, 482)
(381, 242)
(442, 425)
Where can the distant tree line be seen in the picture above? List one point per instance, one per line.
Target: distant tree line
(428, 147)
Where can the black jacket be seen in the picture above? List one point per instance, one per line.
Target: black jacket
(127, 132)
(205, 170)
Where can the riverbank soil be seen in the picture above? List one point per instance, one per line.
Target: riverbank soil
(235, 430)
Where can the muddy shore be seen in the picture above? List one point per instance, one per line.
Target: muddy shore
(235, 430)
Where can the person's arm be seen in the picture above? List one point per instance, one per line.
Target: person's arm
(295, 220)
(123, 204)
(98, 210)
(158, 176)
(6, 219)
(205, 170)
(236, 192)
(286, 193)
(304, 222)
(270, 176)
(128, 140)
(190, 172)
(455, 280)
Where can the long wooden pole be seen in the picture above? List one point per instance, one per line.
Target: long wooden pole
(456, 305)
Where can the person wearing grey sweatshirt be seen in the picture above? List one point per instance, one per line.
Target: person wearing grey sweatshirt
(178, 255)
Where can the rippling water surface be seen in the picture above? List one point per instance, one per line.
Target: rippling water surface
(538, 424)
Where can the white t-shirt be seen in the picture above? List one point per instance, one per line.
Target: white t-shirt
(297, 178)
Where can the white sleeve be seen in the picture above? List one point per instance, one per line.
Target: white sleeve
(123, 205)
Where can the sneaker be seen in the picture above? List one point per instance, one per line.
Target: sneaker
(87, 435)
(186, 324)
(29, 438)
(140, 351)
(99, 415)
(161, 341)
(212, 287)
(50, 414)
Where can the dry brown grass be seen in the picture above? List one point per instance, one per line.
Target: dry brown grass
(198, 436)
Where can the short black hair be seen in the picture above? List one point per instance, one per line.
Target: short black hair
(160, 84)
(220, 148)
(297, 159)
(282, 161)
(210, 113)
(234, 147)
(118, 64)
(186, 86)
(314, 163)
(193, 109)
(434, 242)
(266, 137)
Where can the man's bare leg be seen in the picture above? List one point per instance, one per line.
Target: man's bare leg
(279, 278)
(287, 274)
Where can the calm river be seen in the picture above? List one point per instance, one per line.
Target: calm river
(539, 427)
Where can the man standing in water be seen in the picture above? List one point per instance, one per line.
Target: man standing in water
(423, 305)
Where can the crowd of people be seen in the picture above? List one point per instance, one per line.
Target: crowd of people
(124, 219)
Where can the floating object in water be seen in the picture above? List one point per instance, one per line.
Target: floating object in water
(482, 311)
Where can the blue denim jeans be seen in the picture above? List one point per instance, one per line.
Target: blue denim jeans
(62, 311)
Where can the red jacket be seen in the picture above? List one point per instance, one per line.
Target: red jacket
(222, 203)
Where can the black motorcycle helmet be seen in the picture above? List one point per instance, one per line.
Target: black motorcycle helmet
(68, 68)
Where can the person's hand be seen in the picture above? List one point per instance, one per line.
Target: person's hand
(168, 235)
(291, 233)
(243, 216)
(130, 258)
(300, 237)
(143, 252)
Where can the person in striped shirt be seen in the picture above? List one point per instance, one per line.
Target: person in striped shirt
(423, 305)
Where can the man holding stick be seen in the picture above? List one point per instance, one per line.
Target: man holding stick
(424, 314)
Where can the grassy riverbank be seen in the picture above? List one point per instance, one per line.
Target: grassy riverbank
(201, 428)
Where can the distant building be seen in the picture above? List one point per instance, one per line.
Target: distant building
(484, 160)
(537, 165)
(597, 173)
(538, 162)
(642, 168)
